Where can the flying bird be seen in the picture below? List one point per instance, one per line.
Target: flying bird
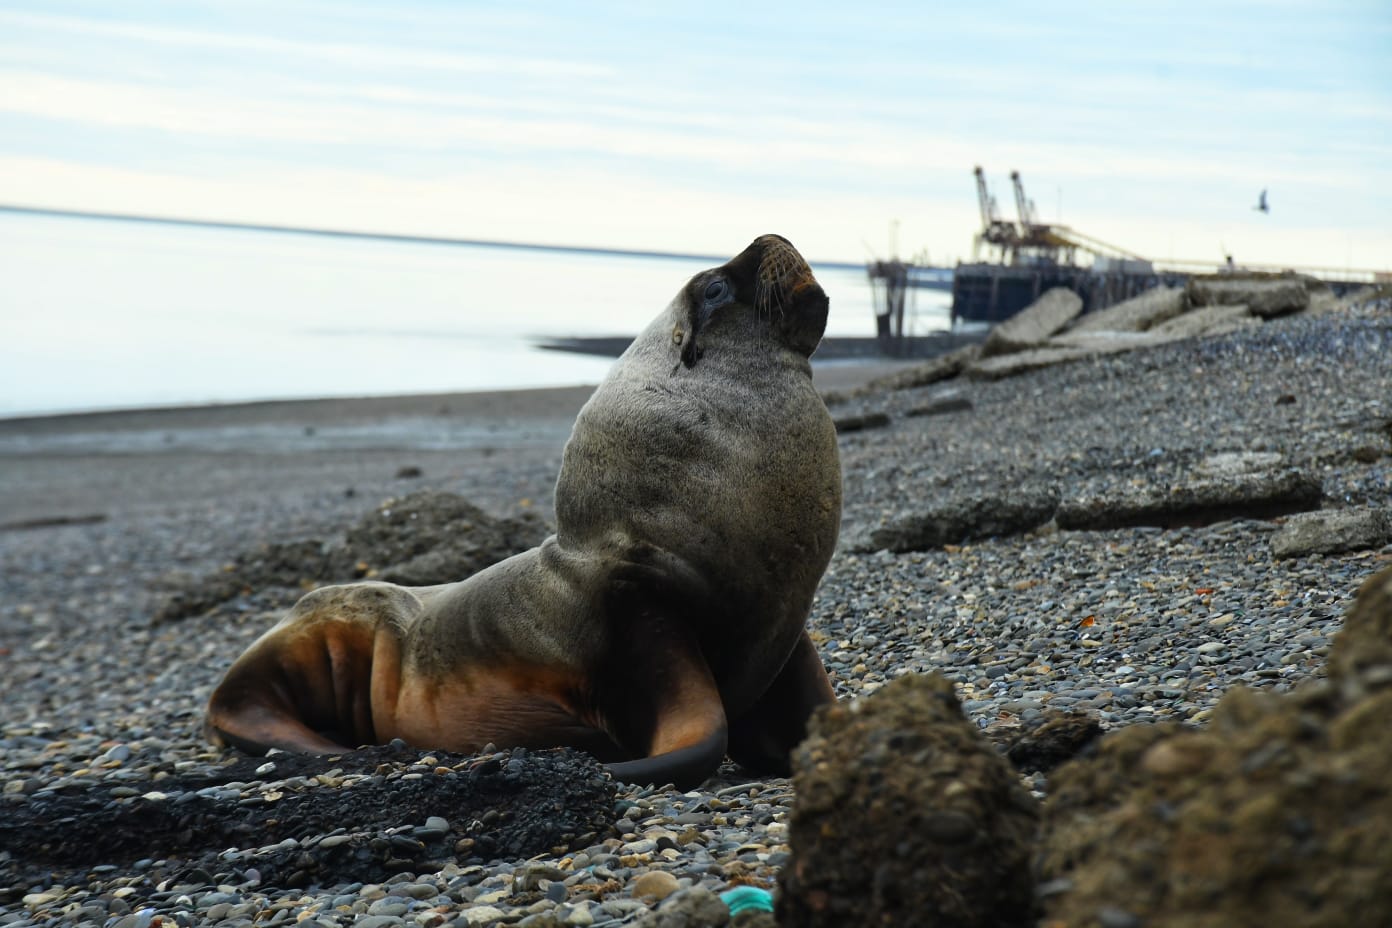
(1261, 203)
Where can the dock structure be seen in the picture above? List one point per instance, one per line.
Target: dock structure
(991, 293)
(1027, 257)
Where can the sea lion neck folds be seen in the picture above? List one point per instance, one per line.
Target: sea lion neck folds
(697, 506)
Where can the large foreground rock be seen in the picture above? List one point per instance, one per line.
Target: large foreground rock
(905, 816)
(1278, 815)
(1032, 326)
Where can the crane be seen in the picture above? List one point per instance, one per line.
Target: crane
(1023, 204)
(994, 230)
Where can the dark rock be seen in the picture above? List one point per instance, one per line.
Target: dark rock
(94, 518)
(1200, 501)
(939, 405)
(1058, 737)
(547, 799)
(1032, 326)
(1278, 814)
(857, 423)
(966, 518)
(905, 816)
(409, 472)
(425, 538)
(295, 564)
(436, 537)
(1332, 531)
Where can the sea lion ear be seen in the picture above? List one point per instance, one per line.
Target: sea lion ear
(690, 354)
(807, 322)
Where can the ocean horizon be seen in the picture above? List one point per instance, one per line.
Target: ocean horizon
(107, 314)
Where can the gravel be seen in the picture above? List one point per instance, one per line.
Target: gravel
(1131, 625)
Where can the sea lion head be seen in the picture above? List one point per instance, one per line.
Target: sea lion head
(766, 291)
(709, 443)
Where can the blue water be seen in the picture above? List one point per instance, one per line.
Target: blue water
(103, 314)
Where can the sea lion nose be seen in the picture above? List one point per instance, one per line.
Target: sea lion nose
(781, 268)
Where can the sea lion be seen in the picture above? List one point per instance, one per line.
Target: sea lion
(697, 506)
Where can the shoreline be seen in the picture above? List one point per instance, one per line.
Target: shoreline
(76, 468)
(832, 375)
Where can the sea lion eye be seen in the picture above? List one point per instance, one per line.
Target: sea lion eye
(717, 291)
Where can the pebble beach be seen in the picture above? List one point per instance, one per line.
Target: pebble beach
(1133, 624)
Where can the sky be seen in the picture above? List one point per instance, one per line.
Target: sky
(696, 126)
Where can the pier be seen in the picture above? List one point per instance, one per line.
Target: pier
(1025, 258)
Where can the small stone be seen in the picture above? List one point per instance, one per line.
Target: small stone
(655, 884)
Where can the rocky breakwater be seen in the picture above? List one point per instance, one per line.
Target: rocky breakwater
(1052, 331)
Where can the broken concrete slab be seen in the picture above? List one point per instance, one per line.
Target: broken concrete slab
(1102, 341)
(966, 518)
(1137, 314)
(1032, 326)
(1008, 365)
(943, 367)
(1332, 531)
(1209, 320)
(1202, 501)
(1264, 296)
(948, 401)
(1229, 463)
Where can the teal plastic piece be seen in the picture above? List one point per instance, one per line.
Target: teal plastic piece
(747, 899)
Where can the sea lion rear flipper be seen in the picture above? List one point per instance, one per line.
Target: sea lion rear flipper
(682, 725)
(763, 738)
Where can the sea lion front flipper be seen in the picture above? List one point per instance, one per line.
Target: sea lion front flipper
(255, 728)
(670, 703)
(763, 738)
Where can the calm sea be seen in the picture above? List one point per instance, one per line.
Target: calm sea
(104, 314)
